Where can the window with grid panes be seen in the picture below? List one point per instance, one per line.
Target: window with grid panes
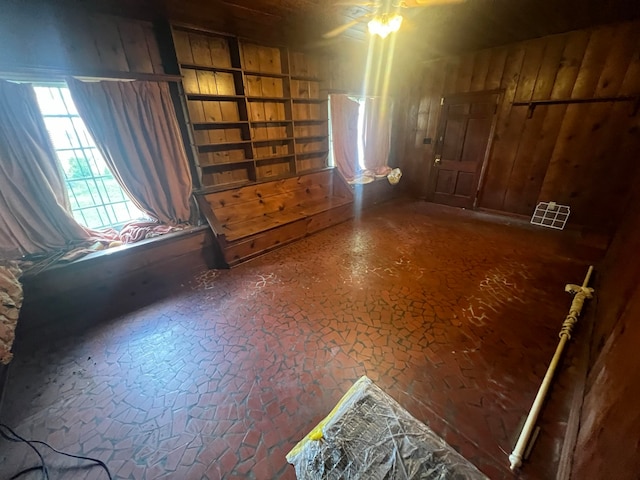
(96, 198)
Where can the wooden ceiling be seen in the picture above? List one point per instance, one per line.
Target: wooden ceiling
(433, 30)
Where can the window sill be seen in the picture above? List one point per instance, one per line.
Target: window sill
(114, 254)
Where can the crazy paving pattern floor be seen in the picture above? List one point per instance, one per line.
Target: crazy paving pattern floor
(453, 315)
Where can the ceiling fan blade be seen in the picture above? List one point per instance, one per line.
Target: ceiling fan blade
(343, 28)
(356, 3)
(426, 3)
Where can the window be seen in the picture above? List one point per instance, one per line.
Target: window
(97, 200)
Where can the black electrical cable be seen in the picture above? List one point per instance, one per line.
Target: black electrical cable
(25, 471)
(19, 439)
(43, 466)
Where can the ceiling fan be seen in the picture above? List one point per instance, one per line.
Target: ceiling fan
(386, 17)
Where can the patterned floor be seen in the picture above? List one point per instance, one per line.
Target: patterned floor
(454, 316)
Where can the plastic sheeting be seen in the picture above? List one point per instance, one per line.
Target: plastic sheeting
(368, 435)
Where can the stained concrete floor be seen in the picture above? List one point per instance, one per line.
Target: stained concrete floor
(452, 313)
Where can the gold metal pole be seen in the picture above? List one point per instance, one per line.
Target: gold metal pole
(582, 292)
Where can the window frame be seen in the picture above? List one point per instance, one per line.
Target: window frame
(103, 204)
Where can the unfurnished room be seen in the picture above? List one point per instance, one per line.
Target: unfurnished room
(319, 239)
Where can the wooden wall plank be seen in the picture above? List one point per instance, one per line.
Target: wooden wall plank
(534, 53)
(618, 60)
(593, 62)
(582, 128)
(80, 47)
(520, 131)
(77, 41)
(499, 168)
(572, 56)
(154, 49)
(541, 155)
(480, 71)
(611, 165)
(250, 57)
(108, 43)
(182, 46)
(521, 174)
(136, 50)
(631, 83)
(549, 68)
(200, 50)
(464, 73)
(519, 177)
(496, 68)
(220, 54)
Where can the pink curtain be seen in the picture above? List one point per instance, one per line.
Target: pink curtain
(377, 134)
(34, 215)
(344, 134)
(135, 127)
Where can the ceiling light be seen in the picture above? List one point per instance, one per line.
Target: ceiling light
(384, 24)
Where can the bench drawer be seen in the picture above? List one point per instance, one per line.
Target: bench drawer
(263, 242)
(327, 218)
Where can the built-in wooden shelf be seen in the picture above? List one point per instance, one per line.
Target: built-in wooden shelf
(217, 125)
(214, 97)
(211, 147)
(305, 79)
(274, 157)
(310, 138)
(267, 140)
(268, 99)
(238, 67)
(211, 166)
(266, 122)
(210, 68)
(309, 100)
(265, 74)
(318, 152)
(310, 120)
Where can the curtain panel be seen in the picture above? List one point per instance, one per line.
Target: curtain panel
(34, 207)
(135, 127)
(377, 134)
(344, 135)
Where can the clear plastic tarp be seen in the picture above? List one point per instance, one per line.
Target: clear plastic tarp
(368, 435)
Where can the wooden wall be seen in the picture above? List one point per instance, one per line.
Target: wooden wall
(367, 68)
(610, 421)
(344, 70)
(578, 154)
(37, 37)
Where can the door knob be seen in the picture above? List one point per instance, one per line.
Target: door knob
(438, 160)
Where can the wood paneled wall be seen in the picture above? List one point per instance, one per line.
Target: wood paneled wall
(610, 421)
(39, 36)
(344, 70)
(578, 154)
(369, 68)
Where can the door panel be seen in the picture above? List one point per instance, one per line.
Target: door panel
(454, 132)
(475, 143)
(466, 124)
(464, 185)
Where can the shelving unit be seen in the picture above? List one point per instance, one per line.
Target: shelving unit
(256, 113)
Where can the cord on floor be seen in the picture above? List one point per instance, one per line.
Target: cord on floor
(14, 437)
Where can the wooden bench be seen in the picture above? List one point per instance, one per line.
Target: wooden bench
(251, 220)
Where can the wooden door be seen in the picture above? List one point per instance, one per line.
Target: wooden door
(464, 134)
